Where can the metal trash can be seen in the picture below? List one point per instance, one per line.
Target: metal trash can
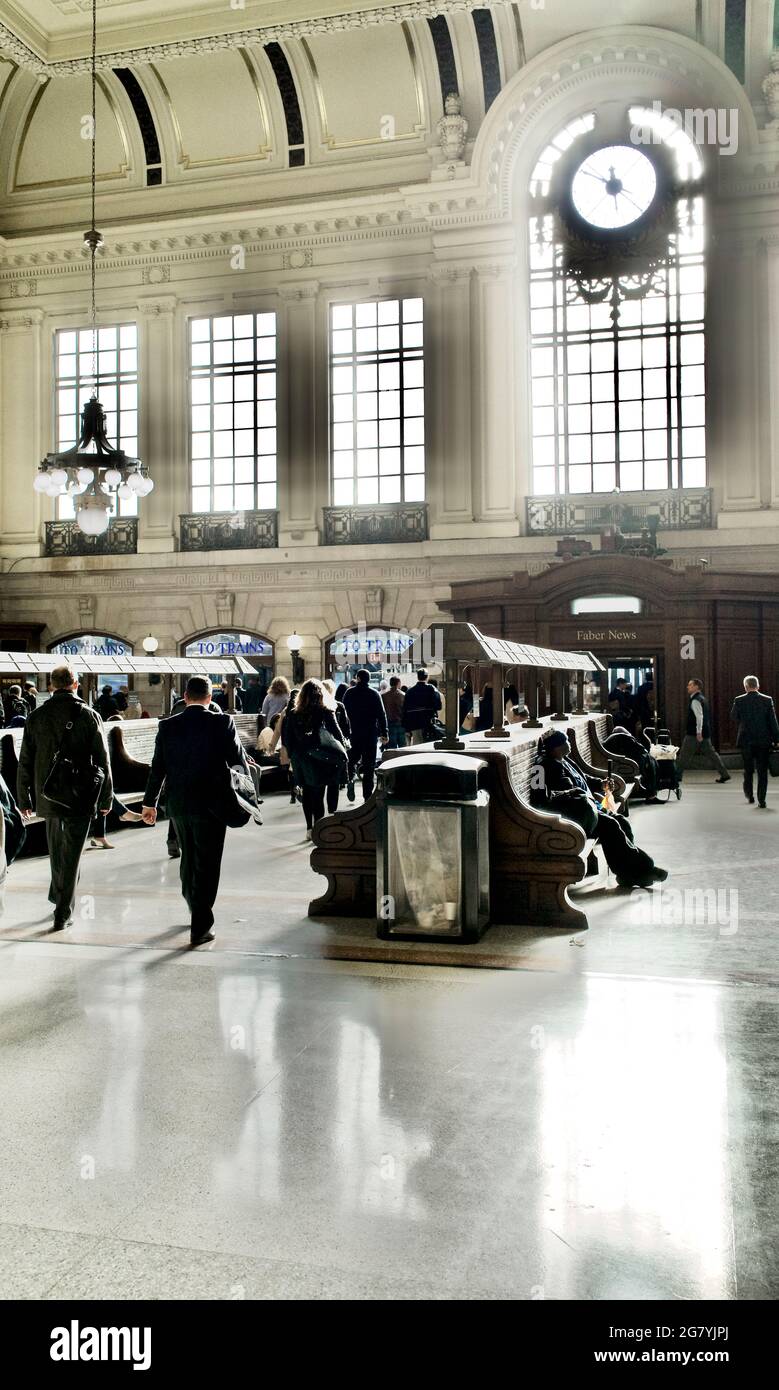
(432, 849)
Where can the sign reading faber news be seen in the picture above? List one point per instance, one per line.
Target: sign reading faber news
(90, 644)
(228, 644)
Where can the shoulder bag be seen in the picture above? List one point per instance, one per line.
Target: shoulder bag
(74, 784)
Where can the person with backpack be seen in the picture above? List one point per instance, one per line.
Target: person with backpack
(64, 776)
(317, 749)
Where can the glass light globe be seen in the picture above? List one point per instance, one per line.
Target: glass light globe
(85, 476)
(112, 477)
(135, 481)
(59, 476)
(93, 521)
(41, 482)
(294, 642)
(125, 491)
(150, 644)
(54, 489)
(148, 486)
(76, 489)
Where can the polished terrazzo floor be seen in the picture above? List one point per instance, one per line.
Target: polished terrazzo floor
(254, 1121)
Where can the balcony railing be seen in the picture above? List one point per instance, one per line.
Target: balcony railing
(67, 538)
(391, 524)
(571, 514)
(229, 531)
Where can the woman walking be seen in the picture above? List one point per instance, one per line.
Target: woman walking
(316, 748)
(342, 717)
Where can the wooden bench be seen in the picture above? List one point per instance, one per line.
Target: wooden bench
(536, 856)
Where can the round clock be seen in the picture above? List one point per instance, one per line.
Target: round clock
(613, 187)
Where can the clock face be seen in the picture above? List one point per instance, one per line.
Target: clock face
(614, 186)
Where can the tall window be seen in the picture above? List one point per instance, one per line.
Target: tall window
(617, 360)
(115, 358)
(377, 402)
(233, 412)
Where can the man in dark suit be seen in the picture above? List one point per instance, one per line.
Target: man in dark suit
(193, 755)
(368, 720)
(46, 734)
(758, 728)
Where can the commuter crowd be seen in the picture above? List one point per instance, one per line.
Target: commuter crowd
(323, 740)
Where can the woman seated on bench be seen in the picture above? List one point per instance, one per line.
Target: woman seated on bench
(558, 785)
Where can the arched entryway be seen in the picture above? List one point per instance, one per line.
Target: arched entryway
(253, 647)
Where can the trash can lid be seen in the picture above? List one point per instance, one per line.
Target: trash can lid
(432, 777)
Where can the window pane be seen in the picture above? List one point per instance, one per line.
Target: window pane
(226, 448)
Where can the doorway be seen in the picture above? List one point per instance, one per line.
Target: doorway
(644, 703)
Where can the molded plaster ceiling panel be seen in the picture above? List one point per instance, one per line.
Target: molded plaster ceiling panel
(59, 30)
(367, 86)
(557, 21)
(216, 108)
(51, 151)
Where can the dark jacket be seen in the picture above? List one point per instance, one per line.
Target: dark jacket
(179, 705)
(367, 715)
(192, 757)
(301, 738)
(14, 833)
(393, 701)
(343, 720)
(253, 697)
(756, 716)
(691, 724)
(43, 736)
(567, 792)
(106, 705)
(420, 706)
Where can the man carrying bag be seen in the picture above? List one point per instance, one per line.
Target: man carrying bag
(193, 757)
(64, 776)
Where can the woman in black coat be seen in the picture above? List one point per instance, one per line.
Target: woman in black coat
(317, 749)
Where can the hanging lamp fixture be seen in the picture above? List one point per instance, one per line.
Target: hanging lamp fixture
(93, 472)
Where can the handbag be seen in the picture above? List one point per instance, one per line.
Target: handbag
(71, 784)
(245, 793)
(328, 750)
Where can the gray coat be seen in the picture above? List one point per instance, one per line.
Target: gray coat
(43, 736)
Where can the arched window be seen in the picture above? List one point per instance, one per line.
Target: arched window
(617, 304)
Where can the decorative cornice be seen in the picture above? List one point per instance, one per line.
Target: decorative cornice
(244, 38)
(158, 252)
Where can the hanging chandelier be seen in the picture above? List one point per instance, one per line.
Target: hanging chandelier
(93, 472)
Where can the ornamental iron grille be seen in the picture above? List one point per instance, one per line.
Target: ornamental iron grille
(617, 324)
(230, 531)
(375, 525)
(675, 510)
(67, 538)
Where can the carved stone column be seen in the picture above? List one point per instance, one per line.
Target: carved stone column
(162, 442)
(448, 448)
(22, 423)
(493, 397)
(302, 416)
